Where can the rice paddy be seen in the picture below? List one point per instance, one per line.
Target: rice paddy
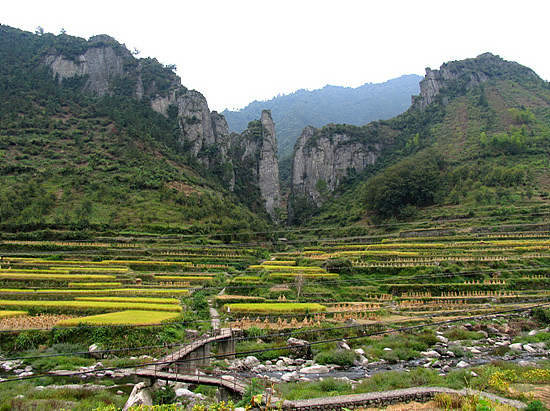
(132, 317)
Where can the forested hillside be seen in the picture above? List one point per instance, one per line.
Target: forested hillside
(71, 159)
(476, 139)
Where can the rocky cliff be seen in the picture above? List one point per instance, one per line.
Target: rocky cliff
(254, 152)
(108, 68)
(323, 158)
(204, 133)
(460, 76)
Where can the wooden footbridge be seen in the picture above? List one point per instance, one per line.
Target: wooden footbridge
(183, 364)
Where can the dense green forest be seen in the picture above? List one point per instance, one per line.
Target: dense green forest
(73, 160)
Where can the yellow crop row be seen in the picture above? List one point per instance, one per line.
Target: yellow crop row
(107, 305)
(5, 313)
(279, 263)
(276, 308)
(150, 300)
(93, 269)
(132, 317)
(6, 276)
(94, 285)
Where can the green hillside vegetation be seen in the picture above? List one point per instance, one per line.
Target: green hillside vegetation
(331, 104)
(70, 160)
(473, 148)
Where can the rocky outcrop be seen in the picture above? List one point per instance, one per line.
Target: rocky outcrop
(140, 395)
(255, 150)
(107, 67)
(205, 133)
(268, 166)
(101, 63)
(323, 159)
(459, 76)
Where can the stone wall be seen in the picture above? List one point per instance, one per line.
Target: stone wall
(386, 398)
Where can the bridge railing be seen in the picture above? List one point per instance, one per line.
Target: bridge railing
(197, 341)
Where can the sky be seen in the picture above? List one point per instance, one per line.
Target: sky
(238, 51)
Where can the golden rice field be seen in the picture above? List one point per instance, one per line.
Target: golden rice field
(6, 314)
(131, 317)
(24, 322)
(147, 300)
(95, 285)
(86, 305)
(274, 308)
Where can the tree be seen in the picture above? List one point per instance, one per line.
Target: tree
(411, 182)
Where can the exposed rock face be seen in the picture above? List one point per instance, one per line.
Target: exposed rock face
(464, 75)
(200, 128)
(268, 167)
(204, 133)
(100, 64)
(256, 151)
(322, 160)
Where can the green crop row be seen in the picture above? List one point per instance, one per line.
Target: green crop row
(183, 278)
(34, 271)
(287, 268)
(246, 279)
(229, 299)
(116, 291)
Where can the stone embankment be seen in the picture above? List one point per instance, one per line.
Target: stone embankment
(386, 398)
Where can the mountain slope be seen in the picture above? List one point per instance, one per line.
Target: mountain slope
(483, 123)
(331, 104)
(82, 147)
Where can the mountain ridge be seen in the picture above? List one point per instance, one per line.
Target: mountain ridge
(479, 111)
(330, 104)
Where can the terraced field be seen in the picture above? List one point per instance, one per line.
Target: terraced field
(392, 297)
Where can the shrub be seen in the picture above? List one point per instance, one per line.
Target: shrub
(536, 405)
(542, 315)
(344, 358)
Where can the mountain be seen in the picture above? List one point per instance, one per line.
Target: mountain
(93, 138)
(476, 136)
(331, 104)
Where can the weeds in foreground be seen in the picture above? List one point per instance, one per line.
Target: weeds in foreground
(468, 403)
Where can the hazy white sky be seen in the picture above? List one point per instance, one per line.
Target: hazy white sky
(237, 51)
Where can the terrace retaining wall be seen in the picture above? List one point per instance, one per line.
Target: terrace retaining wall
(385, 398)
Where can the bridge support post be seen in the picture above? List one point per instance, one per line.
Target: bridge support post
(200, 357)
(227, 346)
(223, 394)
